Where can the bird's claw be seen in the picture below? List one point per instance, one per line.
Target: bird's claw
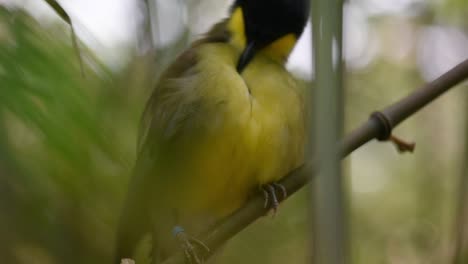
(127, 261)
(270, 195)
(189, 245)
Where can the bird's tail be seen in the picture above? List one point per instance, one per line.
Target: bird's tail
(130, 230)
(134, 220)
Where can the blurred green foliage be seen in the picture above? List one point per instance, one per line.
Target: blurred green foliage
(67, 145)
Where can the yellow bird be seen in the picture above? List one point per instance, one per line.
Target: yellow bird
(224, 120)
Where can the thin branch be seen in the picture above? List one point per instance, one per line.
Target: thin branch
(327, 199)
(60, 11)
(460, 224)
(379, 126)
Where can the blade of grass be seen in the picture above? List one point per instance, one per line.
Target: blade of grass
(60, 11)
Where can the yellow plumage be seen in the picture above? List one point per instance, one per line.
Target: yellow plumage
(211, 136)
(249, 131)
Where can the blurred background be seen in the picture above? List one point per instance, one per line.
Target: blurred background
(68, 139)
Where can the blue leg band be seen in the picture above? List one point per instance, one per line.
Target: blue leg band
(177, 230)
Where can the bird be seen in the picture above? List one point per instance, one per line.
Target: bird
(225, 120)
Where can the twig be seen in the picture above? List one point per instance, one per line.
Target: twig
(379, 126)
(402, 145)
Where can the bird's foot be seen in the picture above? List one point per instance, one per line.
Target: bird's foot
(190, 245)
(270, 195)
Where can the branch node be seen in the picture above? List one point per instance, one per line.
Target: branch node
(385, 133)
(385, 126)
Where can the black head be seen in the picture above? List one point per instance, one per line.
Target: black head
(266, 21)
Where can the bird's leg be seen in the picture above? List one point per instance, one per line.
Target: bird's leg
(270, 195)
(266, 197)
(283, 190)
(188, 245)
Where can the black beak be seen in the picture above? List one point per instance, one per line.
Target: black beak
(246, 56)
